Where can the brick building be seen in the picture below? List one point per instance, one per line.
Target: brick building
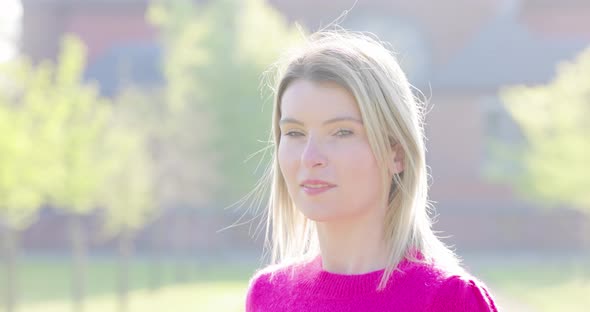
(459, 52)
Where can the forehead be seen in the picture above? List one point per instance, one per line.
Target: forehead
(305, 98)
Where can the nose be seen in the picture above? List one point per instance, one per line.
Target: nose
(312, 155)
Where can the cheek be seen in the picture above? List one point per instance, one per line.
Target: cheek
(288, 161)
(361, 171)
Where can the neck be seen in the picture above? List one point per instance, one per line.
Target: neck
(354, 246)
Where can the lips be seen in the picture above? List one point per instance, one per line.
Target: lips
(315, 187)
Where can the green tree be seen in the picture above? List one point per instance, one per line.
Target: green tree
(21, 192)
(83, 118)
(28, 153)
(215, 55)
(553, 161)
(212, 115)
(128, 196)
(181, 166)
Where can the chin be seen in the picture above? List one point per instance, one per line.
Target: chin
(317, 214)
(322, 214)
(319, 219)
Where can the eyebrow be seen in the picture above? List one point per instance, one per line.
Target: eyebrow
(329, 121)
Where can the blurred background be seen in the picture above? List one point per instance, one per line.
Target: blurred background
(133, 131)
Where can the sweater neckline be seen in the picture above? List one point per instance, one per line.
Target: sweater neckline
(337, 285)
(319, 265)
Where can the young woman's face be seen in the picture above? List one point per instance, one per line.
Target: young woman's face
(324, 154)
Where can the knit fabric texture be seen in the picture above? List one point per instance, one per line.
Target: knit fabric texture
(411, 287)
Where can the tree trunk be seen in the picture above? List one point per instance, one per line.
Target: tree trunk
(155, 272)
(125, 251)
(78, 240)
(9, 253)
(586, 233)
(182, 273)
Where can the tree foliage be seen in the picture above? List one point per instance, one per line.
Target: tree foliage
(554, 121)
(215, 55)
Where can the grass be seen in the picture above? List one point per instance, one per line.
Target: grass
(543, 287)
(45, 285)
(213, 296)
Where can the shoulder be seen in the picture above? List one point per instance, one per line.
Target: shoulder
(258, 285)
(462, 293)
(265, 284)
(450, 288)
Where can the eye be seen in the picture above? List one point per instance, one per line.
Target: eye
(293, 133)
(343, 133)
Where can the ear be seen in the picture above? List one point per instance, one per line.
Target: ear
(398, 157)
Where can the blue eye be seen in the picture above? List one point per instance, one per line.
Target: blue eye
(343, 132)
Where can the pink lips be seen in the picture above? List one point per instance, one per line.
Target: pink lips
(315, 187)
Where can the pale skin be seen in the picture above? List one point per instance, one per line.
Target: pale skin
(323, 139)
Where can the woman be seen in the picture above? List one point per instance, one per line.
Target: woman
(348, 221)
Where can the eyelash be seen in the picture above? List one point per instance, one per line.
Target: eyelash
(290, 133)
(348, 132)
(298, 133)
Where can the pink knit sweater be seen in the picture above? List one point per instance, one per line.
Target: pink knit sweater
(420, 288)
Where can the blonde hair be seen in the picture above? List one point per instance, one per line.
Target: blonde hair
(392, 115)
